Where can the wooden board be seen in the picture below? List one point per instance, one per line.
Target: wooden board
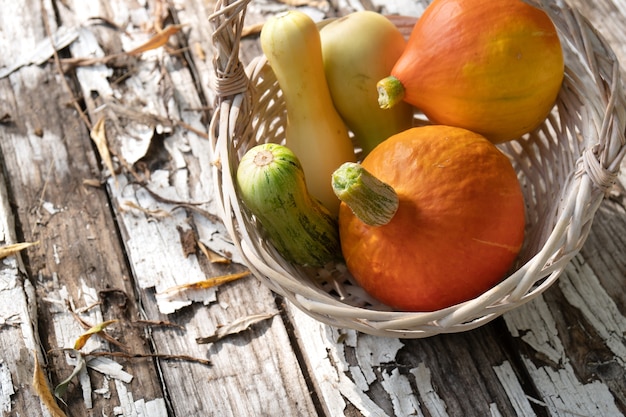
(118, 247)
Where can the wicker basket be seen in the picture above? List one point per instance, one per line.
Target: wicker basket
(565, 168)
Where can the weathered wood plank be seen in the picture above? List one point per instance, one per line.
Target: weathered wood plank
(562, 354)
(461, 374)
(79, 262)
(19, 338)
(162, 87)
(572, 338)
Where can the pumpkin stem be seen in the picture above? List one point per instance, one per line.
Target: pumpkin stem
(390, 92)
(371, 200)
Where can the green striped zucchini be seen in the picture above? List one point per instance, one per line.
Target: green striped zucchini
(272, 186)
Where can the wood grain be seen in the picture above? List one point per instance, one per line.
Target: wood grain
(113, 245)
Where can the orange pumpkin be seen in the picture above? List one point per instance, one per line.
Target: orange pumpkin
(491, 66)
(458, 227)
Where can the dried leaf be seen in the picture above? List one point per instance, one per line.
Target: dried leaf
(69, 64)
(234, 327)
(156, 213)
(198, 50)
(250, 30)
(14, 248)
(92, 182)
(61, 389)
(43, 50)
(161, 12)
(153, 355)
(296, 3)
(98, 135)
(157, 40)
(87, 325)
(83, 338)
(208, 283)
(212, 256)
(40, 385)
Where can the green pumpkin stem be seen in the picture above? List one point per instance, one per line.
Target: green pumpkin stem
(390, 92)
(371, 200)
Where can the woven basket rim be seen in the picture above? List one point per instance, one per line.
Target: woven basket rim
(595, 169)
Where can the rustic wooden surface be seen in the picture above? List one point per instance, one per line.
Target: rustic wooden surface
(115, 247)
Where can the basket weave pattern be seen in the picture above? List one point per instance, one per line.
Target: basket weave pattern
(565, 168)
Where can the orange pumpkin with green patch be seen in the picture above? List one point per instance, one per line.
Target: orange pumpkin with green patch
(453, 229)
(491, 66)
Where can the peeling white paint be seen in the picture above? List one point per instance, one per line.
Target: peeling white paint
(126, 407)
(435, 405)
(8, 277)
(55, 254)
(154, 408)
(66, 328)
(110, 368)
(376, 351)
(15, 306)
(558, 385)
(10, 321)
(8, 286)
(536, 326)
(371, 353)
(137, 141)
(85, 385)
(358, 399)
(329, 364)
(150, 248)
(97, 75)
(493, 409)
(565, 396)
(18, 337)
(584, 291)
(359, 379)
(154, 268)
(6, 387)
(129, 407)
(402, 7)
(404, 401)
(105, 390)
(514, 390)
(42, 51)
(18, 308)
(50, 208)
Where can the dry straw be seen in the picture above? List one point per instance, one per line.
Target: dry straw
(565, 168)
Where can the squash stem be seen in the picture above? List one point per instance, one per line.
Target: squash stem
(371, 200)
(390, 92)
(263, 158)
